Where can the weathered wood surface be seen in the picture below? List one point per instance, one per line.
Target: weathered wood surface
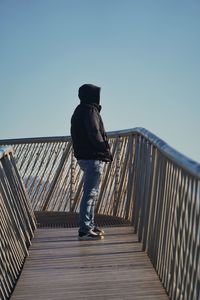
(60, 267)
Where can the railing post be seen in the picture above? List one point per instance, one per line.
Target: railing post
(72, 181)
(117, 174)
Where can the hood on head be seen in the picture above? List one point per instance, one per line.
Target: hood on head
(89, 93)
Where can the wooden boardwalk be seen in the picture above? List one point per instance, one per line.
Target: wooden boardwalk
(62, 268)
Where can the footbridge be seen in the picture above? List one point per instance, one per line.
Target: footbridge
(149, 205)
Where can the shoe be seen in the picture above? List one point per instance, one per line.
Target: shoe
(98, 230)
(90, 235)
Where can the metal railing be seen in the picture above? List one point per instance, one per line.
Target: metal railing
(148, 182)
(16, 223)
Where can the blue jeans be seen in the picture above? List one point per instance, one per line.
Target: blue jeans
(92, 176)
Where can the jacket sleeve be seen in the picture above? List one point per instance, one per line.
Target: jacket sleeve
(91, 122)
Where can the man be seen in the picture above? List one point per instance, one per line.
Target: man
(91, 149)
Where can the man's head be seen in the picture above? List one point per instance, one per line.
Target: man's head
(89, 93)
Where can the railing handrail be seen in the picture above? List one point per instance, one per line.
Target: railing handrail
(35, 140)
(175, 156)
(181, 160)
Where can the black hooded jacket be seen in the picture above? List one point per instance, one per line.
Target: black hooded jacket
(87, 130)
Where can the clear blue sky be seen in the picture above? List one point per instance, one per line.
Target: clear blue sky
(144, 54)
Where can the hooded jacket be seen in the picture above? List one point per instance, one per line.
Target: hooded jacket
(87, 130)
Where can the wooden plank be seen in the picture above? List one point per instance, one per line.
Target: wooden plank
(60, 267)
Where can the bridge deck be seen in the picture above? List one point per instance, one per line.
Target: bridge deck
(60, 267)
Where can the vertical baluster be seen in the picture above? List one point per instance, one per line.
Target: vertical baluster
(117, 174)
(72, 181)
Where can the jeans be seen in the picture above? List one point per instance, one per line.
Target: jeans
(93, 170)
